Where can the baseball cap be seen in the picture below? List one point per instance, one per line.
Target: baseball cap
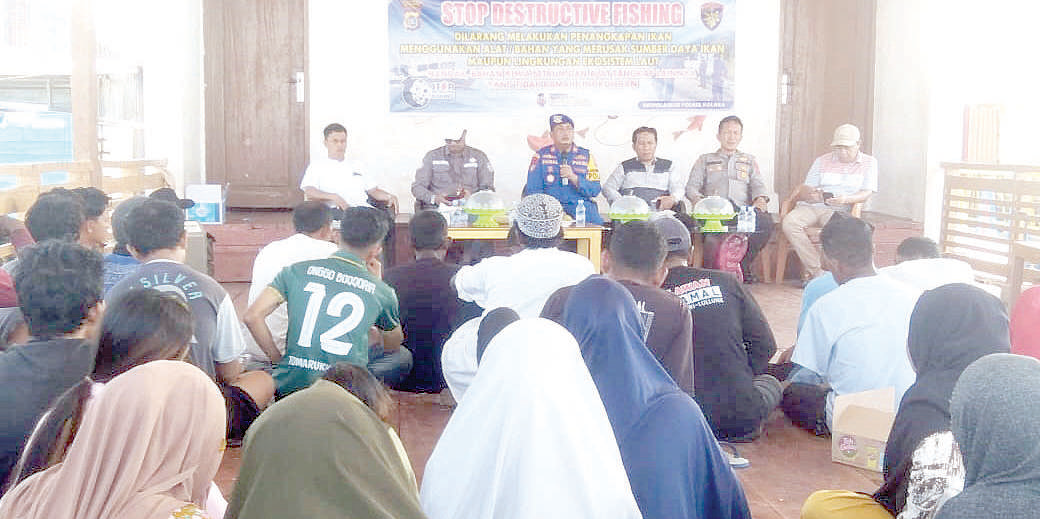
(676, 235)
(539, 216)
(169, 195)
(845, 135)
(559, 119)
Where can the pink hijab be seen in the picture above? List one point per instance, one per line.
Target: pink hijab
(149, 444)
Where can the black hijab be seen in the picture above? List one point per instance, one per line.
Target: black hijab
(951, 327)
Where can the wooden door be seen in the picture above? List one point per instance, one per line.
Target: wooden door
(826, 79)
(256, 99)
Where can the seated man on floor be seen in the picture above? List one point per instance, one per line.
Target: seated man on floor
(429, 305)
(312, 221)
(854, 337)
(635, 258)
(732, 342)
(157, 239)
(522, 282)
(59, 291)
(332, 304)
(120, 262)
(95, 224)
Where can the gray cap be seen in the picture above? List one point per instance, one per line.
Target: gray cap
(120, 215)
(676, 235)
(539, 216)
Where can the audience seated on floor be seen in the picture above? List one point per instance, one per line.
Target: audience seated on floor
(157, 239)
(996, 423)
(148, 447)
(635, 258)
(430, 307)
(732, 342)
(951, 327)
(120, 262)
(56, 215)
(332, 304)
(145, 325)
(94, 234)
(326, 451)
(517, 449)
(522, 282)
(854, 337)
(313, 240)
(674, 464)
(59, 293)
(918, 264)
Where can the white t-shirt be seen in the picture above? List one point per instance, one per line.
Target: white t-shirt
(855, 337)
(345, 178)
(269, 262)
(523, 282)
(929, 273)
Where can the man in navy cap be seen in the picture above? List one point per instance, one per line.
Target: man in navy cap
(565, 171)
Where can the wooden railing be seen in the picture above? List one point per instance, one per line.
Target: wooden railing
(23, 183)
(987, 208)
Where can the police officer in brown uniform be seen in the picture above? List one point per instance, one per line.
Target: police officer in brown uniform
(735, 175)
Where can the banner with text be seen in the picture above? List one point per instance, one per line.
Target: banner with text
(582, 56)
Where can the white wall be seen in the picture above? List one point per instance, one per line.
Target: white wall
(348, 64)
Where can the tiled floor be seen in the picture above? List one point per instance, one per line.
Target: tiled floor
(787, 464)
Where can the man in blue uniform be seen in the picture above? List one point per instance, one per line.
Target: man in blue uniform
(565, 171)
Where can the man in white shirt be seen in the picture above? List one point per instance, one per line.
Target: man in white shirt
(835, 182)
(340, 182)
(313, 240)
(854, 337)
(522, 282)
(919, 264)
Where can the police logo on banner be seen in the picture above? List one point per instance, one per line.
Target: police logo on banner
(711, 15)
(412, 19)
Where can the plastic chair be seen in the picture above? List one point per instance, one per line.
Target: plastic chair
(783, 247)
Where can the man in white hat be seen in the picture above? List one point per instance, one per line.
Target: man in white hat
(521, 282)
(449, 172)
(835, 182)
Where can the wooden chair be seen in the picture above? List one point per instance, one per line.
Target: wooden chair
(783, 247)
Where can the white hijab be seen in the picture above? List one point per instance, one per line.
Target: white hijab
(531, 439)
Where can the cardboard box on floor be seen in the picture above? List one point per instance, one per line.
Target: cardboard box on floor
(862, 422)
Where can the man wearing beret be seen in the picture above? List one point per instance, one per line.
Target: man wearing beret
(565, 171)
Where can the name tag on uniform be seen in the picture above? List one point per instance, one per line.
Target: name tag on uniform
(470, 165)
(440, 162)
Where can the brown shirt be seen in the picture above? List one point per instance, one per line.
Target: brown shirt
(670, 337)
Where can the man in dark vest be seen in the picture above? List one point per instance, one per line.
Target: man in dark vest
(651, 178)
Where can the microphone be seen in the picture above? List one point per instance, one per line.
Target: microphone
(565, 159)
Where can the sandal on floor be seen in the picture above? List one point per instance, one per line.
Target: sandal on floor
(729, 451)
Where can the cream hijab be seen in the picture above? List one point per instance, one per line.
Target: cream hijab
(531, 439)
(149, 444)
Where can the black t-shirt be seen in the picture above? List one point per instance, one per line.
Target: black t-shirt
(732, 343)
(34, 375)
(669, 337)
(430, 310)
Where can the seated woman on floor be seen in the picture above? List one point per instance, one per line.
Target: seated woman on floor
(950, 327)
(326, 451)
(531, 438)
(148, 448)
(673, 462)
(996, 423)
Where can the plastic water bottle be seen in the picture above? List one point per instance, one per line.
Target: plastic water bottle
(579, 214)
(459, 218)
(751, 219)
(743, 218)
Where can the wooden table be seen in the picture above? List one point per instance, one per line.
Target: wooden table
(1021, 252)
(589, 239)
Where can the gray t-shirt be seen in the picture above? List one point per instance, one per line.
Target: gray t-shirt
(218, 334)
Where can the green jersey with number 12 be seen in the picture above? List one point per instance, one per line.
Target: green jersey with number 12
(332, 303)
